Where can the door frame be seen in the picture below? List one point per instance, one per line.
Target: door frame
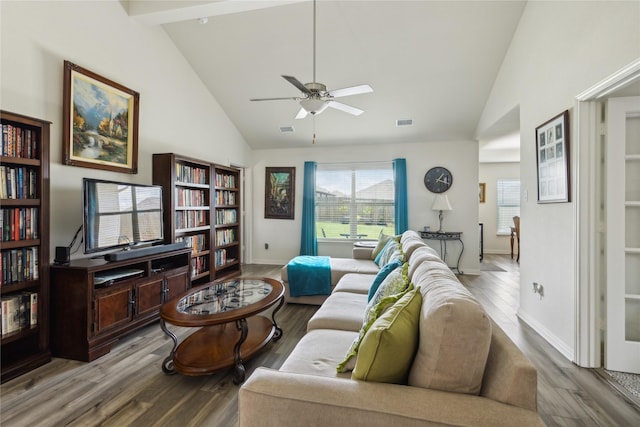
(588, 241)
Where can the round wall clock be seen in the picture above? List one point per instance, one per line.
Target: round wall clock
(438, 179)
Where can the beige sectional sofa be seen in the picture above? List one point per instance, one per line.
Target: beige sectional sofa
(463, 371)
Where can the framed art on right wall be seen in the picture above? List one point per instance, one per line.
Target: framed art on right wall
(552, 155)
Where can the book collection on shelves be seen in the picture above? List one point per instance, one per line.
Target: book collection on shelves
(19, 141)
(18, 182)
(19, 224)
(19, 312)
(204, 201)
(24, 237)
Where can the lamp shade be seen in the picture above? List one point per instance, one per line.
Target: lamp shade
(313, 106)
(441, 203)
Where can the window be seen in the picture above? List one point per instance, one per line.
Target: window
(508, 204)
(354, 200)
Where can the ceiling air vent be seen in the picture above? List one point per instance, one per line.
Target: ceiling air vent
(285, 129)
(404, 122)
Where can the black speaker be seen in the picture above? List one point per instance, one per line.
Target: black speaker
(62, 255)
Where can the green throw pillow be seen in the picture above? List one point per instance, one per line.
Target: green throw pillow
(390, 291)
(382, 241)
(389, 346)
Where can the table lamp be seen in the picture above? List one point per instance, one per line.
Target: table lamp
(441, 203)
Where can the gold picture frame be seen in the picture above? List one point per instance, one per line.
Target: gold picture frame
(100, 122)
(279, 192)
(482, 192)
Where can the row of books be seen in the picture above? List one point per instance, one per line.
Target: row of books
(226, 236)
(225, 198)
(19, 311)
(189, 197)
(191, 219)
(19, 142)
(191, 174)
(226, 216)
(226, 181)
(18, 265)
(18, 224)
(199, 265)
(198, 242)
(221, 258)
(18, 183)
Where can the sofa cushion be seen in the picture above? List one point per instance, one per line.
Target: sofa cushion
(355, 282)
(390, 291)
(318, 353)
(341, 310)
(382, 274)
(383, 239)
(455, 335)
(389, 346)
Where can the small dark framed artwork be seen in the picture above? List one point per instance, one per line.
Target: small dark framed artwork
(279, 194)
(552, 155)
(100, 122)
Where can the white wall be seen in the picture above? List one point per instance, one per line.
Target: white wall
(460, 157)
(177, 113)
(489, 173)
(559, 50)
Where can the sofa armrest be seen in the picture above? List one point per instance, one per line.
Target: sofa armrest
(272, 397)
(362, 253)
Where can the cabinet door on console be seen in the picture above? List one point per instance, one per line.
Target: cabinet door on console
(149, 296)
(112, 307)
(177, 282)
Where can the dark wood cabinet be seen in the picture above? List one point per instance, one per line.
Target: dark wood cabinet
(89, 314)
(24, 243)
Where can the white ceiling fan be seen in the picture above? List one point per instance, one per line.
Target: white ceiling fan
(316, 98)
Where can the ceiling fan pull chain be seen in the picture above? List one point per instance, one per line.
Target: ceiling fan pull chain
(313, 141)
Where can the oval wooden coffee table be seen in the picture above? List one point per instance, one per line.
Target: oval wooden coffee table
(230, 329)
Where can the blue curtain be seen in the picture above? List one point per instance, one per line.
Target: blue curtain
(308, 240)
(402, 204)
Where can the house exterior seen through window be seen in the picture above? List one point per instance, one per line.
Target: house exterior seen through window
(508, 196)
(354, 200)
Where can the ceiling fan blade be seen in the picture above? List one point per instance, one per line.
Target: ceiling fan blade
(344, 107)
(348, 91)
(301, 114)
(297, 84)
(274, 99)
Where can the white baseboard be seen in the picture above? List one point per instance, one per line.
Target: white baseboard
(545, 333)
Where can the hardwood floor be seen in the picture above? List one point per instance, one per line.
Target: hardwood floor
(127, 386)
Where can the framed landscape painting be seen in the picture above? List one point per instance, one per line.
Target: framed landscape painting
(100, 123)
(552, 153)
(279, 194)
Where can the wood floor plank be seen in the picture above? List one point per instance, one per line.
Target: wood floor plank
(128, 388)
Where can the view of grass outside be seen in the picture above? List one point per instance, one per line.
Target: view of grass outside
(336, 230)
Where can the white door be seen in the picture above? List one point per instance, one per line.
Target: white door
(622, 351)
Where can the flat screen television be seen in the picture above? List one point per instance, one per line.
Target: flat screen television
(120, 215)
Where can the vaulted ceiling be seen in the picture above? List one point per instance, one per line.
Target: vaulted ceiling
(433, 62)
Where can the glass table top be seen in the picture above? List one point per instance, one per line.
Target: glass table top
(224, 296)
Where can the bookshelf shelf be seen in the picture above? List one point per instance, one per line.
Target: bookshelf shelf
(24, 288)
(208, 190)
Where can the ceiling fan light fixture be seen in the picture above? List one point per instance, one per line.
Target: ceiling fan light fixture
(313, 106)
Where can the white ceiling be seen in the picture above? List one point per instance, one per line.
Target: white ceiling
(431, 61)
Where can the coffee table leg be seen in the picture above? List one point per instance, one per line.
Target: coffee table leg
(238, 370)
(167, 364)
(278, 333)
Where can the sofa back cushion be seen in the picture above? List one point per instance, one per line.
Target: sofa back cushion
(455, 335)
(420, 255)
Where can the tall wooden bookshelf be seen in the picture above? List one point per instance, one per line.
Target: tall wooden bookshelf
(201, 207)
(24, 243)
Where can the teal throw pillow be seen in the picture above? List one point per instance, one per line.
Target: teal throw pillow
(385, 254)
(382, 274)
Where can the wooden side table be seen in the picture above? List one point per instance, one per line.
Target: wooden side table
(443, 237)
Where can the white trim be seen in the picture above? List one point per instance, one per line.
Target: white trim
(586, 212)
(552, 339)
